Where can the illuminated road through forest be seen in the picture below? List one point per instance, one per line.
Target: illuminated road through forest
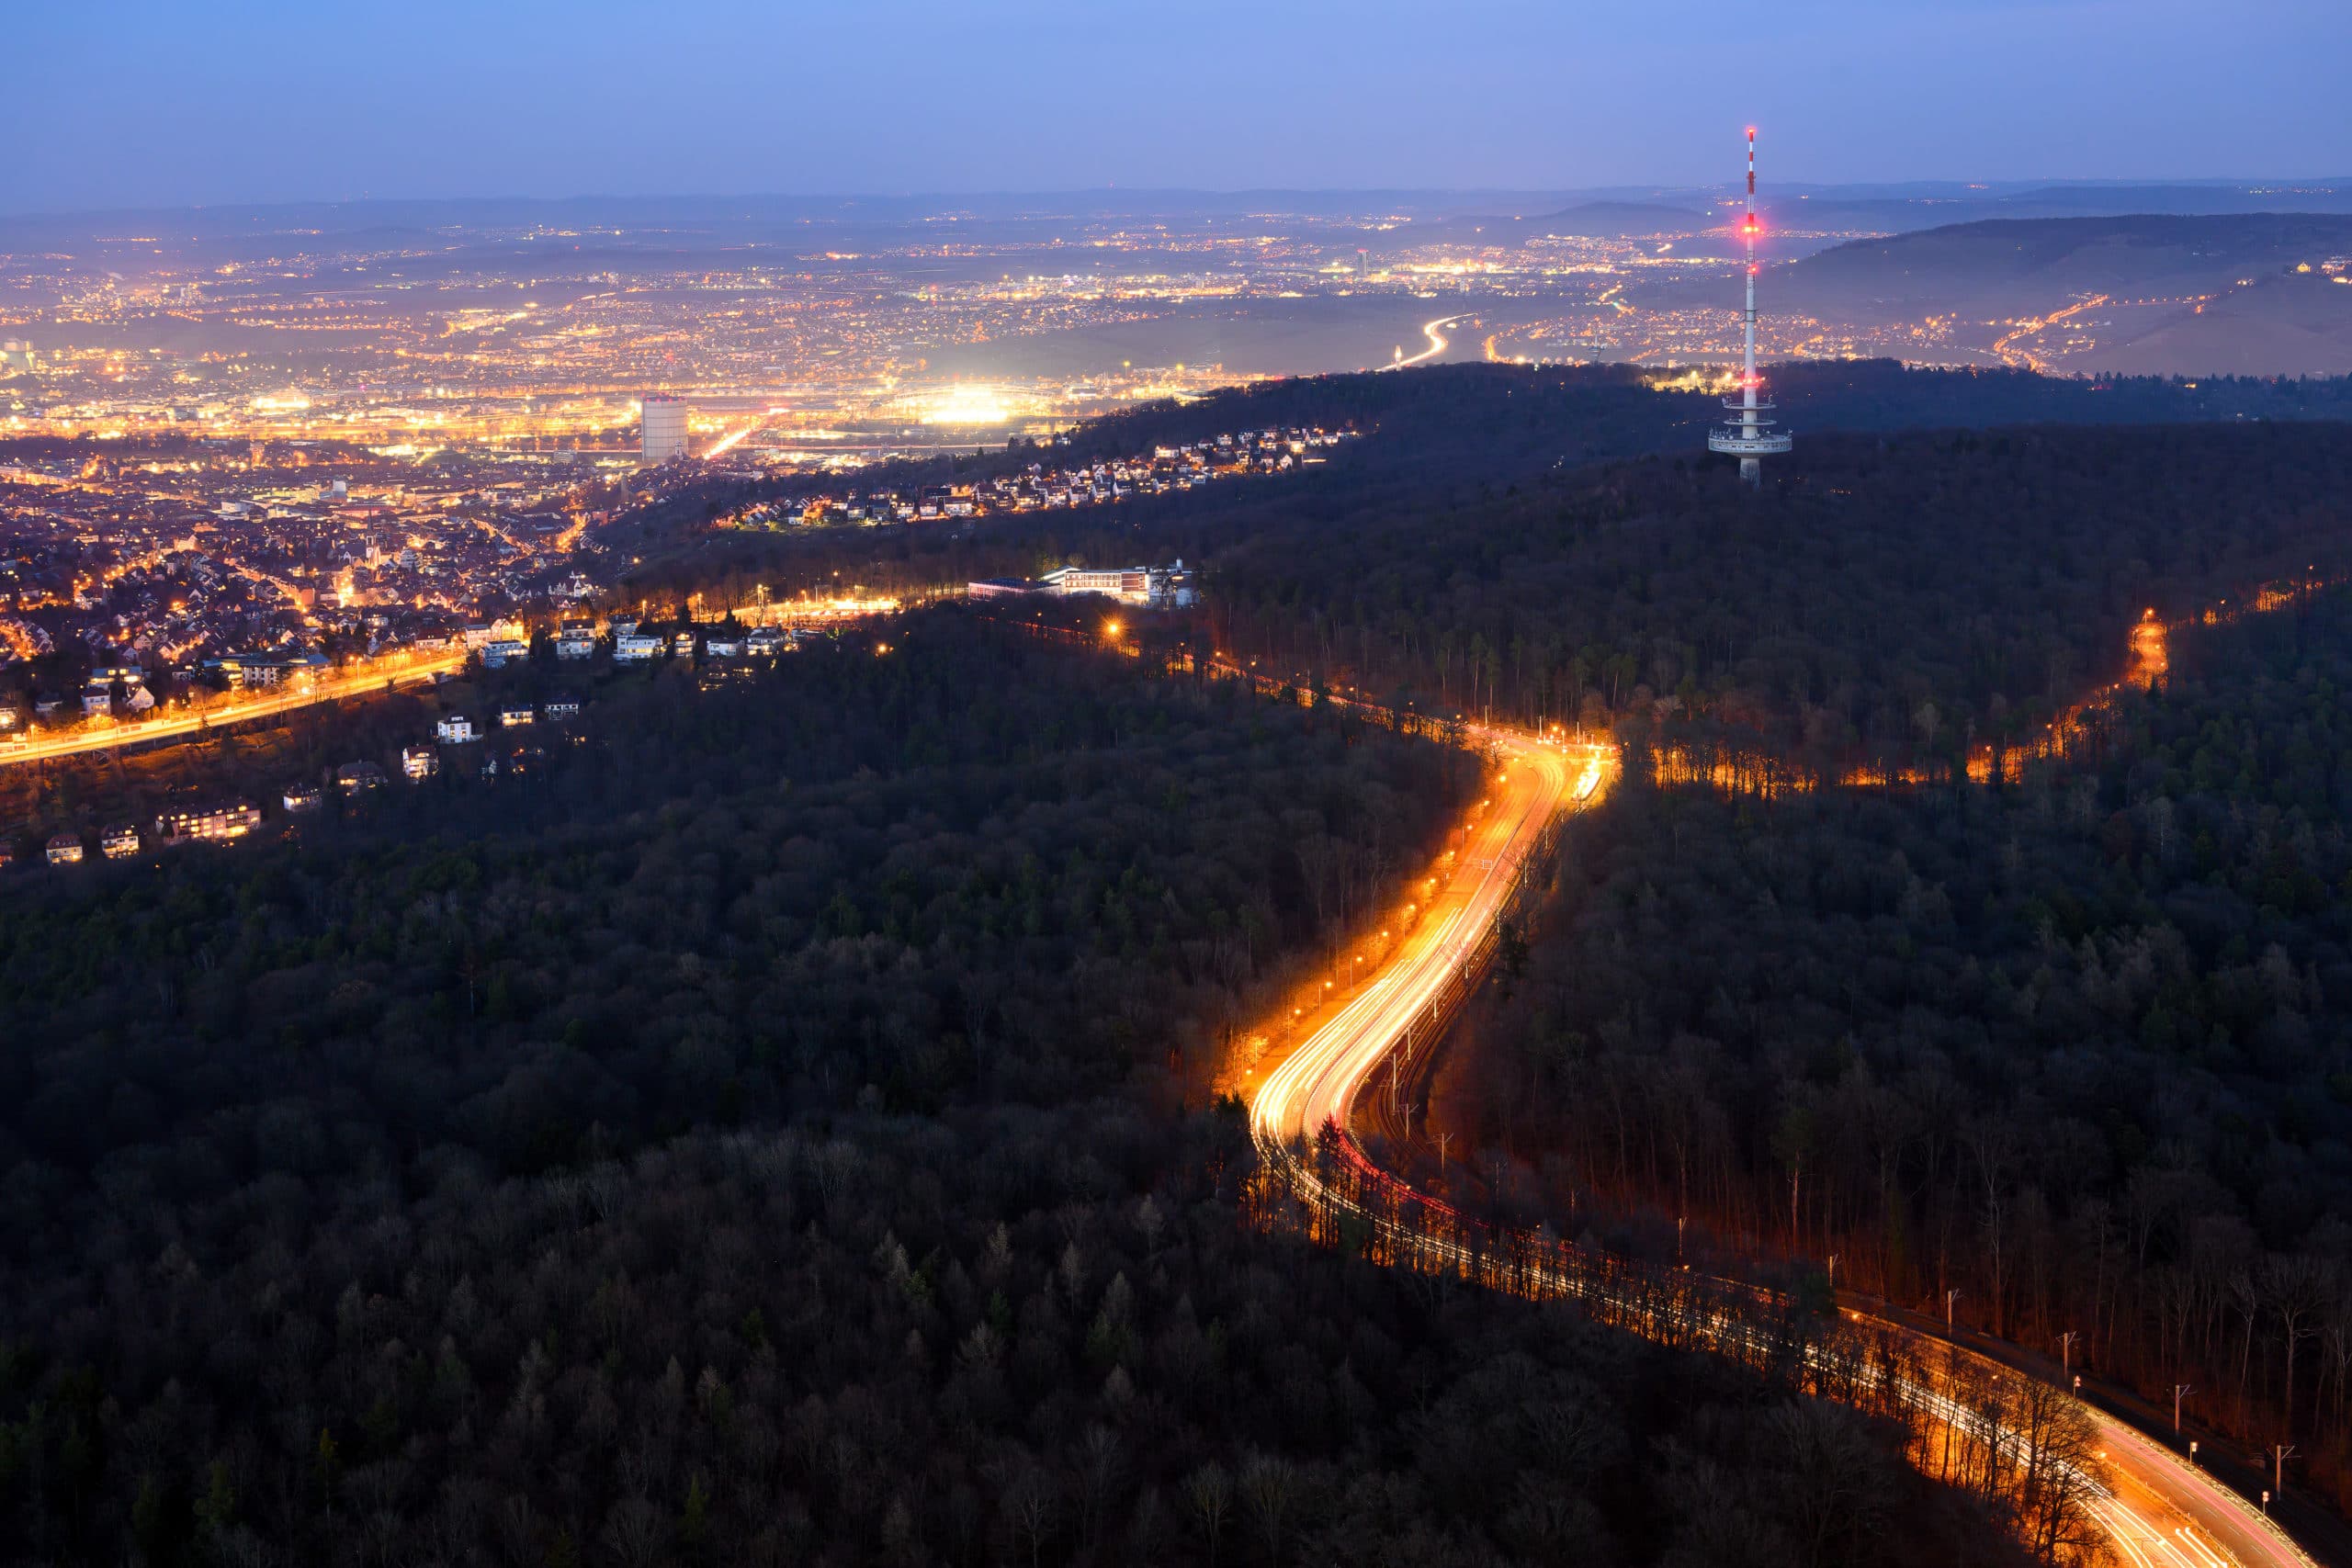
(1319, 1082)
(2155, 1506)
(2157, 1510)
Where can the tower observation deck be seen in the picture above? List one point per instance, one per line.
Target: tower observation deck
(1748, 434)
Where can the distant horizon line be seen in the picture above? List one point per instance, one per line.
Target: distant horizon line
(1884, 190)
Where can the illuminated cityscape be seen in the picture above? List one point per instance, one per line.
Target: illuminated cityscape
(228, 444)
(234, 452)
(242, 445)
(540, 342)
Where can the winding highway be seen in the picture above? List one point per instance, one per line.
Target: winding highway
(2159, 1510)
(1317, 1083)
(1437, 344)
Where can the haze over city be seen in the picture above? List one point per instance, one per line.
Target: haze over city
(1030, 784)
(279, 100)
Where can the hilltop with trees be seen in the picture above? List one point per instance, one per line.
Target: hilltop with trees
(2080, 1048)
(777, 1134)
(777, 1127)
(1450, 441)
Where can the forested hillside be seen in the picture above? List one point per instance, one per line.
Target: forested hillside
(1892, 598)
(776, 1136)
(2081, 1047)
(1449, 442)
(1000, 1336)
(773, 1125)
(1993, 266)
(1888, 599)
(976, 866)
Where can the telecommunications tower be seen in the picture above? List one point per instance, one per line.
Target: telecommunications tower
(1745, 436)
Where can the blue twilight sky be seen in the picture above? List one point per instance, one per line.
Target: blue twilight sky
(132, 102)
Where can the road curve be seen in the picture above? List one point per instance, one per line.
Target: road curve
(2165, 1513)
(2159, 1510)
(1438, 344)
(1317, 1083)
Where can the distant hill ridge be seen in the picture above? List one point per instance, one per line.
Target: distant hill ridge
(2140, 252)
(1589, 218)
(1586, 220)
(2248, 294)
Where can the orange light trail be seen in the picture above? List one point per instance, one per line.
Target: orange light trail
(732, 439)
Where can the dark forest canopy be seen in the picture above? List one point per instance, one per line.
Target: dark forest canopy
(772, 1128)
(980, 865)
(1986, 576)
(775, 1137)
(1510, 418)
(1442, 436)
(2081, 1047)
(995, 1337)
(1990, 577)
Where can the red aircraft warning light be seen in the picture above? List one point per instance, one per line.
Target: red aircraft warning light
(1748, 436)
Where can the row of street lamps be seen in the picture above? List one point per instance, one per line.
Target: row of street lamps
(2279, 1452)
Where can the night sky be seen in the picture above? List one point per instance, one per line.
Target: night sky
(146, 102)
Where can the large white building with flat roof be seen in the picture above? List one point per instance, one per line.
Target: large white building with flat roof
(1155, 587)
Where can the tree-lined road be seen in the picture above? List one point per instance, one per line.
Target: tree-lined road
(1319, 1082)
(2157, 1510)
(353, 681)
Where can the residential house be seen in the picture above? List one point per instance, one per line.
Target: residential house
(186, 824)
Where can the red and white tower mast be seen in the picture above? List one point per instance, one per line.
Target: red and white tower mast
(1748, 436)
